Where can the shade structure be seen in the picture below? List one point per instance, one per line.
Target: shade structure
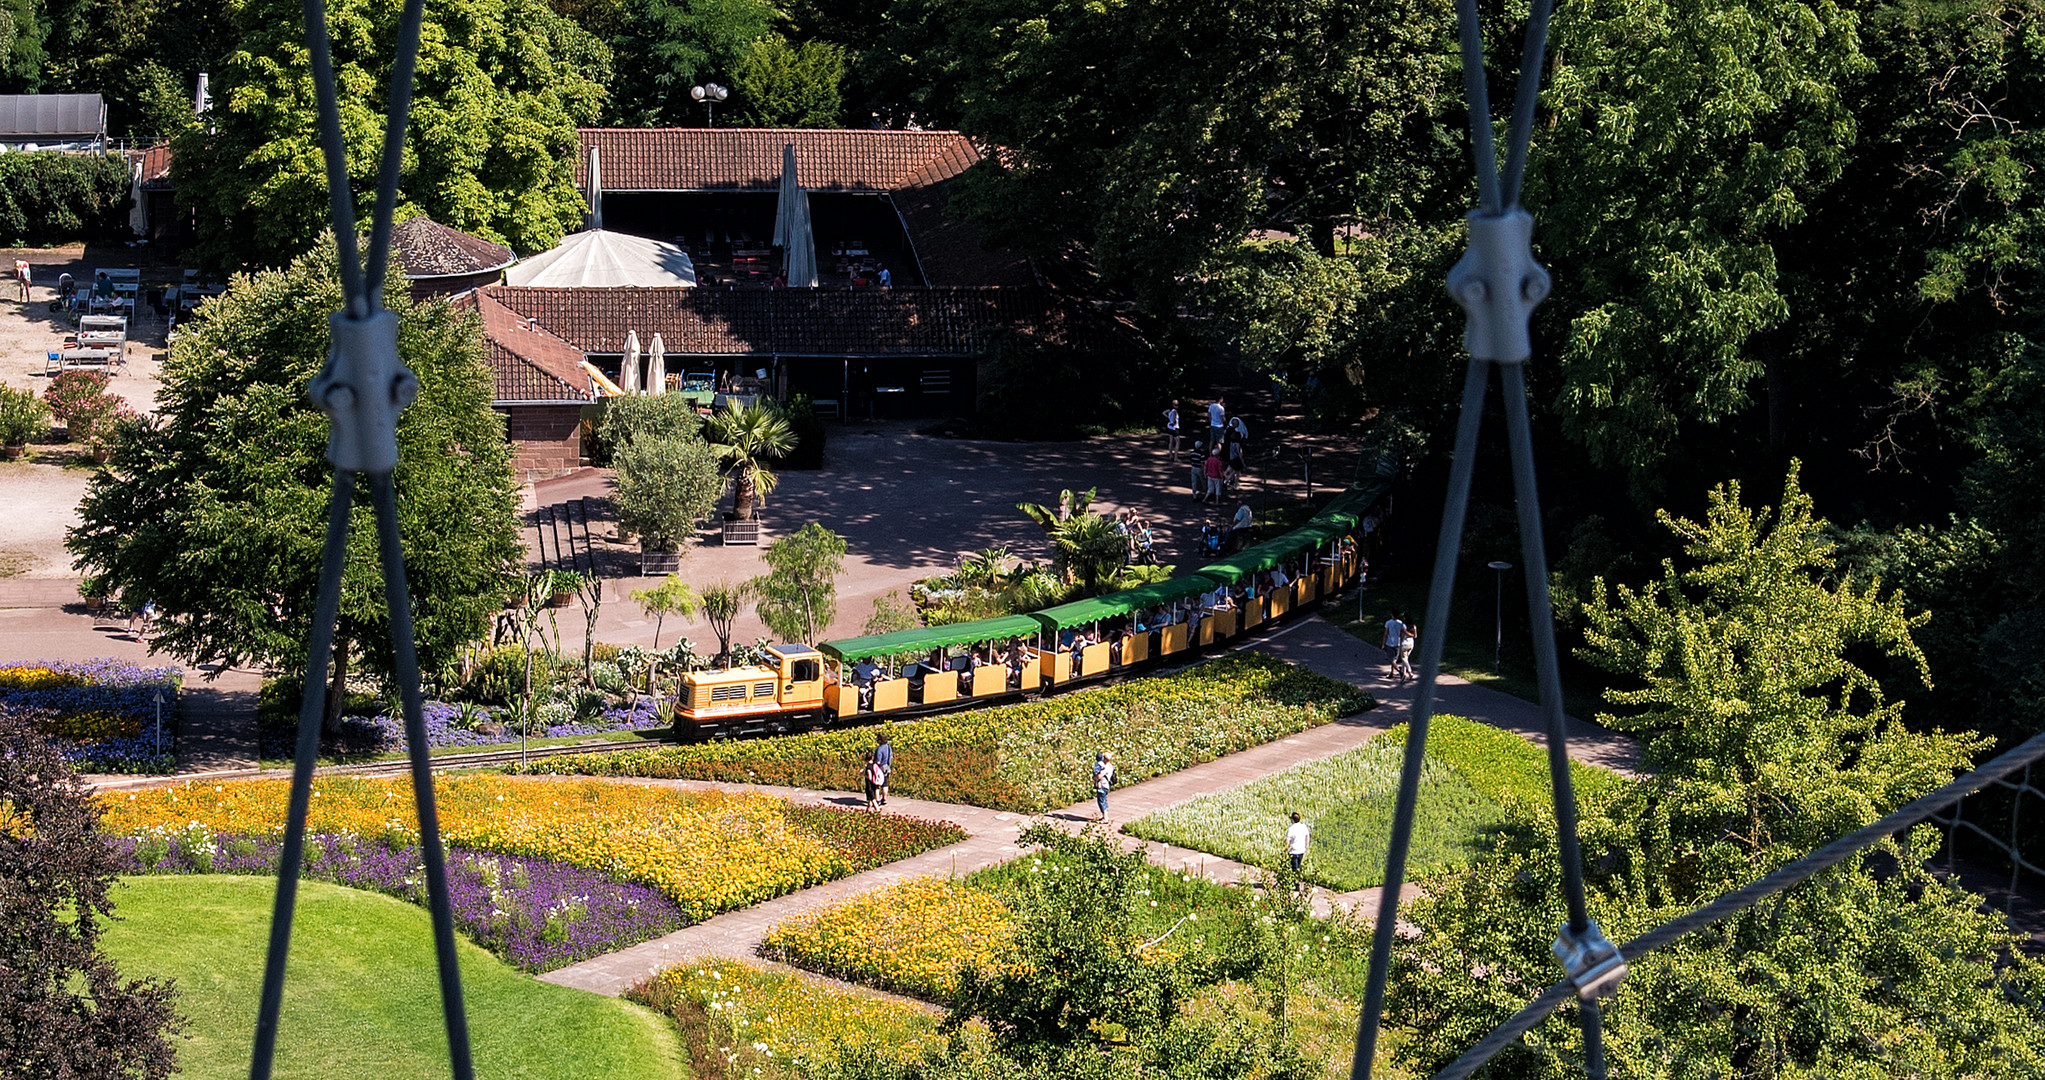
(596, 190)
(656, 367)
(138, 209)
(802, 246)
(628, 372)
(789, 190)
(600, 259)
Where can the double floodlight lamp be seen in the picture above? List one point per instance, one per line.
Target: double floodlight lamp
(709, 93)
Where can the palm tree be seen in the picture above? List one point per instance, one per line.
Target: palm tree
(1084, 545)
(746, 437)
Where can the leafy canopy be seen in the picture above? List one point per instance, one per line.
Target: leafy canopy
(798, 596)
(216, 508)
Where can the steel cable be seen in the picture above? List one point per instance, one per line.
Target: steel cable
(362, 292)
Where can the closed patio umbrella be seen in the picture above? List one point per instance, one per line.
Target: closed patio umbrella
(656, 367)
(628, 373)
(802, 246)
(785, 206)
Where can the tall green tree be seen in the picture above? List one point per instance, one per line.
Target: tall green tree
(779, 84)
(665, 47)
(501, 87)
(216, 507)
(1765, 737)
(667, 486)
(798, 596)
(746, 438)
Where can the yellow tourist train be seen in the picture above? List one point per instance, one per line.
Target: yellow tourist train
(937, 668)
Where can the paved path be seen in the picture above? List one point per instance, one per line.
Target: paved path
(992, 834)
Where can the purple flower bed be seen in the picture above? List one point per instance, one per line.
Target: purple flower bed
(536, 914)
(115, 688)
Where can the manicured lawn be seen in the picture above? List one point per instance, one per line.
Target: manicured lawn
(362, 999)
(1472, 772)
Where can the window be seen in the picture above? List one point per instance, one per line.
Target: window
(806, 671)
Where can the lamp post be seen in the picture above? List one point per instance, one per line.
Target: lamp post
(1498, 640)
(709, 94)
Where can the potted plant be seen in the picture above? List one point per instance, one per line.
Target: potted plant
(667, 485)
(23, 419)
(561, 588)
(746, 438)
(93, 590)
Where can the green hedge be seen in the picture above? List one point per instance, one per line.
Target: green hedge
(1030, 757)
(50, 197)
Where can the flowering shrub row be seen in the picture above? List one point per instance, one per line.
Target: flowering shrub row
(535, 913)
(914, 937)
(1031, 757)
(708, 851)
(104, 710)
(464, 725)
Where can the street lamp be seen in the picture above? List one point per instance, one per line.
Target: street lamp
(1498, 641)
(709, 94)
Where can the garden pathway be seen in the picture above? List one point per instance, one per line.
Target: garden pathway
(991, 834)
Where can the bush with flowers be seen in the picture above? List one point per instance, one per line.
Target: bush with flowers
(707, 851)
(1030, 757)
(102, 710)
(913, 937)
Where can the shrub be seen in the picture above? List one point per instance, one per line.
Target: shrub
(78, 394)
(667, 486)
(810, 434)
(1035, 756)
(51, 197)
(658, 416)
(23, 417)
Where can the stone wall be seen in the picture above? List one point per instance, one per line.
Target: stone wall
(546, 439)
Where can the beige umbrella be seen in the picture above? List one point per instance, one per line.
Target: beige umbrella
(656, 368)
(628, 373)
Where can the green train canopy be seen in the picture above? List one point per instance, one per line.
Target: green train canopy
(924, 639)
(1114, 605)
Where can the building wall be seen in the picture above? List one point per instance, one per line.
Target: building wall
(546, 439)
(428, 288)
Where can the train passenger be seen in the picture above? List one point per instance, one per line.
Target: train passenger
(864, 674)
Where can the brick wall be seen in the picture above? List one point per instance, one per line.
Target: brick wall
(546, 439)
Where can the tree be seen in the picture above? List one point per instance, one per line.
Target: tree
(1764, 739)
(722, 601)
(663, 415)
(798, 596)
(664, 47)
(667, 486)
(891, 613)
(746, 438)
(784, 85)
(501, 87)
(672, 597)
(64, 1009)
(215, 508)
(1085, 547)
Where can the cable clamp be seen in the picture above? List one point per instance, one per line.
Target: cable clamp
(1593, 962)
(1498, 284)
(362, 389)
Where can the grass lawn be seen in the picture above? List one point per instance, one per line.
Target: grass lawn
(362, 999)
(1472, 772)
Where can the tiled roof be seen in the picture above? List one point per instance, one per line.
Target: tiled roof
(156, 166)
(950, 248)
(529, 363)
(749, 159)
(791, 322)
(426, 248)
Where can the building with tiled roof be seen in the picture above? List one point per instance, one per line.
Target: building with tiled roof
(540, 386)
(442, 261)
(749, 159)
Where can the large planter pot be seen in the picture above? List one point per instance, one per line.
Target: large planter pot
(561, 599)
(12, 452)
(659, 563)
(741, 532)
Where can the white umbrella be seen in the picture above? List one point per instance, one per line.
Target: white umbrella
(628, 373)
(656, 368)
(802, 246)
(138, 212)
(596, 191)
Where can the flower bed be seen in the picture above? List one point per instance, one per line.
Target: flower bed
(708, 851)
(1471, 772)
(914, 937)
(103, 710)
(535, 913)
(1031, 757)
(461, 725)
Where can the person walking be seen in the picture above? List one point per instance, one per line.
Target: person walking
(884, 755)
(1296, 842)
(1172, 430)
(1104, 778)
(1409, 637)
(874, 775)
(21, 276)
(1199, 471)
(1214, 471)
(1217, 421)
(1395, 629)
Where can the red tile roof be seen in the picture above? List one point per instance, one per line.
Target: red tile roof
(950, 248)
(749, 159)
(424, 247)
(795, 322)
(530, 364)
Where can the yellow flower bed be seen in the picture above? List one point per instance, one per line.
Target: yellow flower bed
(35, 677)
(914, 937)
(770, 1023)
(710, 851)
(97, 724)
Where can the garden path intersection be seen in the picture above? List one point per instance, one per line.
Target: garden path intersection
(992, 834)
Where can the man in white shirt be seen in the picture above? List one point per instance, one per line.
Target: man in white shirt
(1395, 629)
(1217, 421)
(1296, 842)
